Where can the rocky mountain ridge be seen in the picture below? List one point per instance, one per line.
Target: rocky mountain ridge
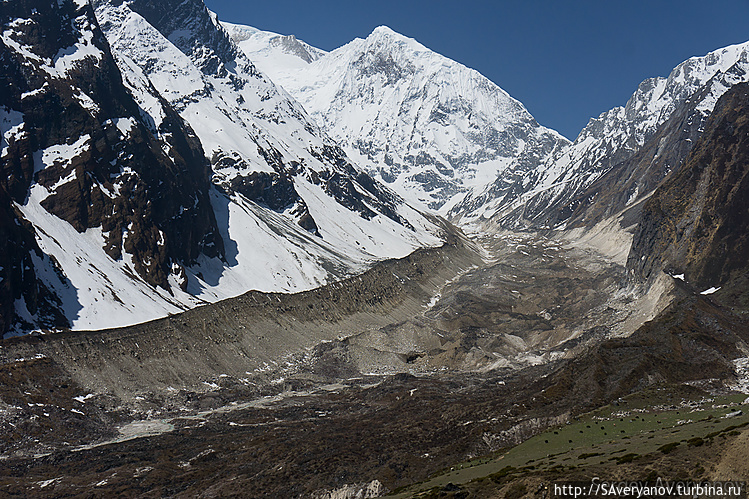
(79, 163)
(617, 160)
(147, 146)
(578, 185)
(694, 226)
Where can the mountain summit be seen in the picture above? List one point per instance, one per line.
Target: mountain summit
(430, 128)
(150, 167)
(442, 134)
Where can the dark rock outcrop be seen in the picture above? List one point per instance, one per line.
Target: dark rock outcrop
(697, 222)
(19, 256)
(147, 189)
(693, 339)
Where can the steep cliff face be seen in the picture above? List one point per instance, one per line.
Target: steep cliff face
(617, 192)
(173, 51)
(635, 178)
(20, 287)
(78, 153)
(697, 222)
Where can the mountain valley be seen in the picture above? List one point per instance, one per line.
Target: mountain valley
(234, 264)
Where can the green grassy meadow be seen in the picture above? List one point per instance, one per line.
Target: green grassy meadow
(638, 426)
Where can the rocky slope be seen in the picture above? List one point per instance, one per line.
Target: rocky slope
(432, 129)
(84, 176)
(238, 434)
(253, 335)
(695, 224)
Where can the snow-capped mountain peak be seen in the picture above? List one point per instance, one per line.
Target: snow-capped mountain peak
(557, 188)
(431, 128)
(180, 175)
(384, 39)
(264, 44)
(383, 30)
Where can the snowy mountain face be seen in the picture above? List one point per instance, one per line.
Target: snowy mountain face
(563, 186)
(151, 167)
(443, 135)
(286, 51)
(90, 194)
(430, 128)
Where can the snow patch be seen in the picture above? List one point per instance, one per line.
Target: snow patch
(27, 359)
(47, 483)
(87, 102)
(98, 292)
(68, 59)
(125, 125)
(61, 153)
(38, 91)
(11, 128)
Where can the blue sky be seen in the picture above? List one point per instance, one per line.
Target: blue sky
(566, 61)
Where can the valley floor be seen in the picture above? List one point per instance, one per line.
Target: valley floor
(472, 362)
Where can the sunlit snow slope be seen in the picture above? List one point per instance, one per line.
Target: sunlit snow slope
(172, 172)
(431, 128)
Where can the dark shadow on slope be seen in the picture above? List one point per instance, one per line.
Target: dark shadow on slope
(210, 270)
